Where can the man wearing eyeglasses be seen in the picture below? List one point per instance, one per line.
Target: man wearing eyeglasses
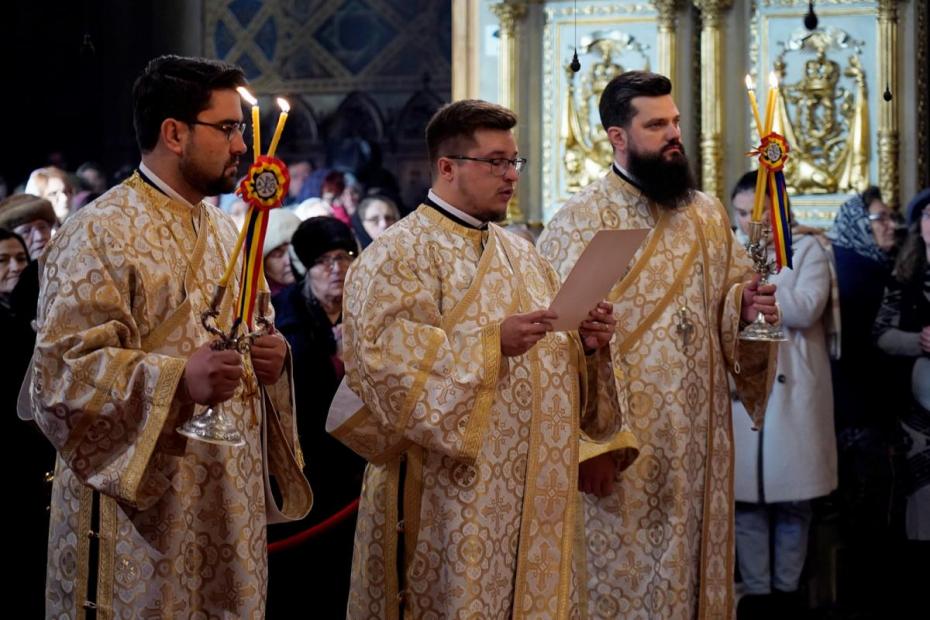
(144, 521)
(659, 529)
(469, 402)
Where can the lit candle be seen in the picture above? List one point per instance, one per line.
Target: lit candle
(234, 257)
(754, 104)
(762, 176)
(282, 118)
(256, 122)
(771, 102)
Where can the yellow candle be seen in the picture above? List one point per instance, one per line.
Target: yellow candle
(235, 254)
(256, 122)
(282, 118)
(754, 105)
(757, 206)
(256, 133)
(770, 102)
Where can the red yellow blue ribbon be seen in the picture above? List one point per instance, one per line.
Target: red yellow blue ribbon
(263, 189)
(773, 153)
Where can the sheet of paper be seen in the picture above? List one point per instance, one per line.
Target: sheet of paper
(598, 269)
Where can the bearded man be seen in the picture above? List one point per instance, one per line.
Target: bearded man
(659, 526)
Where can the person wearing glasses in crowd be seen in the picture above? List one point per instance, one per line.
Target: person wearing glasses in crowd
(143, 521)
(309, 315)
(660, 524)
(902, 330)
(863, 243)
(468, 403)
(373, 216)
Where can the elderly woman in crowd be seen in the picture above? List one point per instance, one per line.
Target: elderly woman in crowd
(863, 245)
(30, 519)
(309, 315)
(902, 330)
(30, 217)
(374, 215)
(780, 468)
(282, 224)
(54, 185)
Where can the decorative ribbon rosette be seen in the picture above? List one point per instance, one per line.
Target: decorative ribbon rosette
(772, 154)
(263, 189)
(266, 183)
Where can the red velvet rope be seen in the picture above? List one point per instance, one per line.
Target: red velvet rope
(321, 527)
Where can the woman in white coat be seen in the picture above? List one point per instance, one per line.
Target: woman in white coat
(792, 459)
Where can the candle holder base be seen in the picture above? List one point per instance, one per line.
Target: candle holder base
(760, 331)
(212, 427)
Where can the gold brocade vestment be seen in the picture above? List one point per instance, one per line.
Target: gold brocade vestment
(661, 546)
(179, 525)
(476, 451)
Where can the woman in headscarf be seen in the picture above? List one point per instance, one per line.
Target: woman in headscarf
(863, 244)
(309, 315)
(902, 330)
(276, 252)
(374, 215)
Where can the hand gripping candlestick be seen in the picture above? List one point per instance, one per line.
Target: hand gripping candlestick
(772, 153)
(262, 189)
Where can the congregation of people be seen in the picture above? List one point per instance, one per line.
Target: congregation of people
(826, 477)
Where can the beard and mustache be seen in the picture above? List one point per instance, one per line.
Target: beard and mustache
(206, 182)
(670, 183)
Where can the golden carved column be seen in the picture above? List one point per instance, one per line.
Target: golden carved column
(509, 13)
(888, 143)
(711, 95)
(465, 43)
(668, 20)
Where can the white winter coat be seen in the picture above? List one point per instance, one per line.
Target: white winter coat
(798, 442)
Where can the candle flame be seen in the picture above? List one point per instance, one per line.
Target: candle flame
(773, 80)
(283, 104)
(245, 94)
(749, 85)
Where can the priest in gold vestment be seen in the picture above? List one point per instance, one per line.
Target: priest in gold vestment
(470, 404)
(144, 522)
(659, 529)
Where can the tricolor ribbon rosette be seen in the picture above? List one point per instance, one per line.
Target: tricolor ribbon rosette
(263, 189)
(772, 154)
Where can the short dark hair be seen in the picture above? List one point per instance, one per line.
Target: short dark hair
(870, 195)
(6, 233)
(452, 129)
(746, 183)
(177, 87)
(616, 104)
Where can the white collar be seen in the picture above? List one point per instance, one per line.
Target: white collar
(625, 172)
(465, 217)
(160, 184)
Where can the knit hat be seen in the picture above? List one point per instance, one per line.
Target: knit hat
(24, 208)
(319, 235)
(281, 226)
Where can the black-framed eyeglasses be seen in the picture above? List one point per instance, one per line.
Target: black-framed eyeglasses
(499, 165)
(227, 127)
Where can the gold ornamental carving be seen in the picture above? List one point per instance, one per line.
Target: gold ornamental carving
(509, 14)
(826, 121)
(711, 95)
(667, 48)
(888, 144)
(587, 151)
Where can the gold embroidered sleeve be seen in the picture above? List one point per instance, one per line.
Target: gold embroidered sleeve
(403, 364)
(751, 364)
(104, 403)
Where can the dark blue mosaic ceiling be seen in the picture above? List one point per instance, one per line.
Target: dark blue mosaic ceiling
(355, 34)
